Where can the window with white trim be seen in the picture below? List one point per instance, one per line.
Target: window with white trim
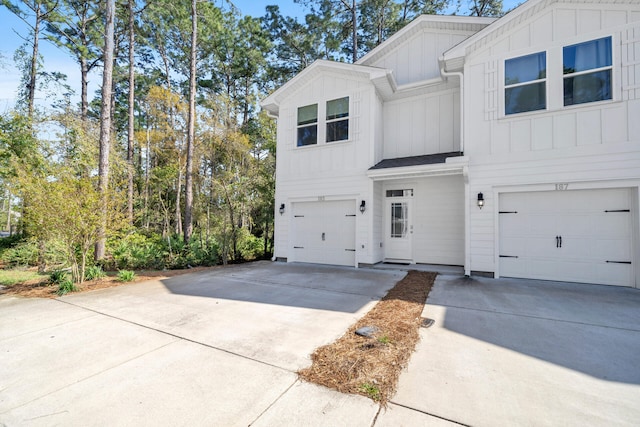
(525, 83)
(307, 125)
(587, 71)
(337, 119)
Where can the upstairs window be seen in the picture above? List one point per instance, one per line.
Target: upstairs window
(308, 125)
(587, 71)
(338, 119)
(525, 83)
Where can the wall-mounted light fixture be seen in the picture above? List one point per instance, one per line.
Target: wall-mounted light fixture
(362, 206)
(480, 200)
(281, 210)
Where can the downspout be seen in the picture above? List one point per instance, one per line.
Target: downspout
(467, 193)
(460, 76)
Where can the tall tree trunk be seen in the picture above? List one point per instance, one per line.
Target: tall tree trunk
(84, 103)
(178, 218)
(354, 23)
(34, 64)
(131, 130)
(188, 194)
(9, 212)
(105, 123)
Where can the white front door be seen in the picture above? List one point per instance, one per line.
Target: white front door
(574, 236)
(399, 229)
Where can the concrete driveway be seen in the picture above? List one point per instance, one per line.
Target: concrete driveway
(216, 348)
(221, 348)
(512, 352)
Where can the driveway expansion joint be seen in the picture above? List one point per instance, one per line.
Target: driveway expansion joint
(429, 414)
(176, 336)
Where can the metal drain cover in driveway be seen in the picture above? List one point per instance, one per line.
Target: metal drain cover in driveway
(426, 322)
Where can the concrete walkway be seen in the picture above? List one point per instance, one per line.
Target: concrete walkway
(221, 348)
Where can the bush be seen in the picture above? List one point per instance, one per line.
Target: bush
(15, 251)
(249, 246)
(66, 286)
(57, 277)
(94, 272)
(126, 275)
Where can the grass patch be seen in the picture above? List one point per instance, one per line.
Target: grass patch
(16, 277)
(126, 275)
(372, 366)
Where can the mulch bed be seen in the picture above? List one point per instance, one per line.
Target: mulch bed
(39, 288)
(371, 366)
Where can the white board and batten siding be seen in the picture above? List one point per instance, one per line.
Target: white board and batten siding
(426, 124)
(323, 178)
(427, 45)
(588, 147)
(436, 218)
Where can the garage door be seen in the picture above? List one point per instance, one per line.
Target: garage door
(575, 236)
(324, 232)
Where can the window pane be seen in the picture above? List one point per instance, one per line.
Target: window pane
(398, 220)
(338, 131)
(525, 98)
(338, 108)
(587, 87)
(307, 135)
(525, 68)
(308, 114)
(587, 56)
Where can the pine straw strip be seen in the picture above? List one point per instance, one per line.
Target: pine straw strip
(371, 366)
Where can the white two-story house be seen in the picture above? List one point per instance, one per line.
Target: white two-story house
(510, 147)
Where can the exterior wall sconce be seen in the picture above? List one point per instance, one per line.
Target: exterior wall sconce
(362, 206)
(281, 210)
(480, 200)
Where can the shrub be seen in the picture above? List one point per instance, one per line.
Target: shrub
(18, 252)
(57, 277)
(249, 246)
(126, 275)
(66, 286)
(94, 272)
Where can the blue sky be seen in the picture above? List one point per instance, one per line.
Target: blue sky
(56, 60)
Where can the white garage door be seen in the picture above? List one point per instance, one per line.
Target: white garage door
(324, 232)
(575, 236)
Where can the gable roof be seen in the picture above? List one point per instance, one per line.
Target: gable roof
(453, 59)
(470, 24)
(379, 76)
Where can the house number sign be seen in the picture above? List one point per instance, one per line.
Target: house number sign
(561, 187)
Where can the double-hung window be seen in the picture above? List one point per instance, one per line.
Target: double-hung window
(587, 71)
(525, 83)
(338, 119)
(308, 125)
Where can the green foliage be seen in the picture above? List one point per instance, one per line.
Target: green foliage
(371, 390)
(15, 277)
(249, 246)
(126, 275)
(94, 272)
(66, 286)
(384, 340)
(57, 277)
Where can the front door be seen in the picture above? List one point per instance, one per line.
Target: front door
(399, 226)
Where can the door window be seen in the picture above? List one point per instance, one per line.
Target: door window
(399, 220)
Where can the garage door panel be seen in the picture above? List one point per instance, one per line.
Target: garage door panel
(324, 232)
(589, 235)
